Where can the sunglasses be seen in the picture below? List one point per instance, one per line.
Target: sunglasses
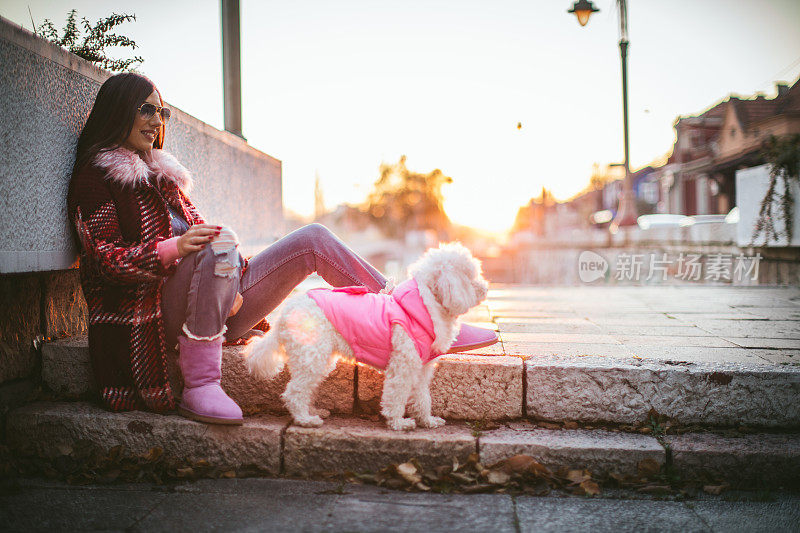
(147, 110)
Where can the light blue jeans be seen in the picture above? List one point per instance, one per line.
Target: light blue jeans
(197, 298)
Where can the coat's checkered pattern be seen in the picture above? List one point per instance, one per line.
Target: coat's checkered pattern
(118, 207)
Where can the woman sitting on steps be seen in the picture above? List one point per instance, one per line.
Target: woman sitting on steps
(156, 274)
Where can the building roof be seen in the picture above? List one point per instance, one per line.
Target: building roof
(750, 111)
(759, 108)
(718, 111)
(789, 102)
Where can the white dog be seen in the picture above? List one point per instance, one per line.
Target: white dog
(401, 333)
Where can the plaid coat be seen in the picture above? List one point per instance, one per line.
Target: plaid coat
(118, 206)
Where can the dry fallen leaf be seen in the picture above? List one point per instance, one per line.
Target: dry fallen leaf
(715, 489)
(578, 476)
(498, 477)
(153, 454)
(409, 472)
(394, 483)
(548, 425)
(539, 470)
(482, 487)
(515, 464)
(461, 477)
(619, 478)
(590, 488)
(648, 467)
(539, 487)
(367, 478)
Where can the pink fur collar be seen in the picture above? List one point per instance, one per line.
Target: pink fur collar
(129, 169)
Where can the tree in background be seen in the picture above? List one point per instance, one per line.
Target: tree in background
(97, 39)
(783, 156)
(531, 217)
(402, 201)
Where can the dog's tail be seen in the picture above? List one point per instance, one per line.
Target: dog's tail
(265, 357)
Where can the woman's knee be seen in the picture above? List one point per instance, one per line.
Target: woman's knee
(223, 253)
(316, 233)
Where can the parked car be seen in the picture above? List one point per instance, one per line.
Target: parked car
(660, 220)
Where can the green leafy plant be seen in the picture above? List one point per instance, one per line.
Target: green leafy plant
(783, 156)
(98, 37)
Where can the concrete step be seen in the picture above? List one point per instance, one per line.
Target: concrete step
(466, 387)
(272, 446)
(590, 389)
(587, 389)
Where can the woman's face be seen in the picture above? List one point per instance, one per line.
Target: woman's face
(144, 130)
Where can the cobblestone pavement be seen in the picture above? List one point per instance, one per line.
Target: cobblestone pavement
(663, 323)
(288, 505)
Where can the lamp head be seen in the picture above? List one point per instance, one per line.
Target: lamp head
(583, 9)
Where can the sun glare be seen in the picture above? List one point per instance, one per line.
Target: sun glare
(302, 327)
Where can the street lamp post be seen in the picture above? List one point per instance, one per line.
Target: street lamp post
(626, 210)
(231, 67)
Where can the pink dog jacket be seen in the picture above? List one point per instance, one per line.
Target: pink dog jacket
(365, 320)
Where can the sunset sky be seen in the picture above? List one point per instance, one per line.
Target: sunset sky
(337, 87)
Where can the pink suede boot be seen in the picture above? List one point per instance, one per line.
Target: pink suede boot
(203, 398)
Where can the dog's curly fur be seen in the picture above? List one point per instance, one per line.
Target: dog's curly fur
(450, 283)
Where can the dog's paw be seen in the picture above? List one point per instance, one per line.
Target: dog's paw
(430, 422)
(401, 424)
(320, 412)
(308, 421)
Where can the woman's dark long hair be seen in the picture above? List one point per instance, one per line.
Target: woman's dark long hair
(112, 116)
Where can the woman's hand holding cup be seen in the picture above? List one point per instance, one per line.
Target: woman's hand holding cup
(196, 237)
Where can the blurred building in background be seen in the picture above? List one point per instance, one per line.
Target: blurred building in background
(697, 178)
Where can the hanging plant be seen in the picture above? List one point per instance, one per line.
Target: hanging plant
(92, 46)
(783, 156)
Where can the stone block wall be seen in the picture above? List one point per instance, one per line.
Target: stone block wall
(36, 307)
(45, 95)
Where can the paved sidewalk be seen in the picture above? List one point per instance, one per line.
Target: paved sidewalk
(288, 505)
(711, 324)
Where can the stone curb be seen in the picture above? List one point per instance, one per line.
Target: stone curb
(51, 429)
(356, 445)
(601, 452)
(66, 368)
(586, 389)
(350, 444)
(465, 386)
(260, 396)
(596, 389)
(761, 460)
